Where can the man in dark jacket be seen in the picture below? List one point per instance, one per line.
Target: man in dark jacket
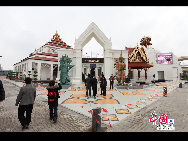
(88, 86)
(101, 79)
(2, 92)
(94, 86)
(25, 99)
(53, 95)
(104, 84)
(111, 81)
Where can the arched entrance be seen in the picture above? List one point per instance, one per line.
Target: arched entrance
(92, 32)
(93, 58)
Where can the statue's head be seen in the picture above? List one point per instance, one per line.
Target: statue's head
(121, 60)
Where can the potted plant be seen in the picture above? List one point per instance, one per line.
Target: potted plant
(35, 77)
(29, 73)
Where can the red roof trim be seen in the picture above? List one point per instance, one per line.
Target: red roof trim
(48, 54)
(139, 65)
(45, 58)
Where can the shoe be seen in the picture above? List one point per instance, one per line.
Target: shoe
(26, 126)
(23, 127)
(88, 97)
(55, 120)
(94, 97)
(51, 118)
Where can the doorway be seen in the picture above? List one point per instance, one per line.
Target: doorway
(160, 75)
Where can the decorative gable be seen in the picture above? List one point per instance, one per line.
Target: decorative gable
(138, 55)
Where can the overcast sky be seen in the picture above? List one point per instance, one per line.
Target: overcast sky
(23, 29)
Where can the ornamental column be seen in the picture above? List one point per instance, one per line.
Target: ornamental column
(145, 73)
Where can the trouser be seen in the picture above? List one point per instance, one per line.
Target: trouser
(25, 120)
(101, 90)
(53, 110)
(104, 91)
(88, 89)
(111, 85)
(94, 91)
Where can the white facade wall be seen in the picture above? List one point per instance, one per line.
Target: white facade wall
(171, 71)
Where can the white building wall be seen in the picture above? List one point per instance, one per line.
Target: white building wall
(171, 71)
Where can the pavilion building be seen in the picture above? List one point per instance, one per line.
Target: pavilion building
(43, 60)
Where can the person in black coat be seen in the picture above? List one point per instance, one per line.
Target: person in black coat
(111, 81)
(94, 86)
(88, 85)
(101, 79)
(104, 84)
(83, 77)
(2, 92)
(53, 95)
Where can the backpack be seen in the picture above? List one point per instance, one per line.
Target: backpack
(52, 96)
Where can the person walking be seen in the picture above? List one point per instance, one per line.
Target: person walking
(94, 86)
(111, 81)
(53, 95)
(104, 84)
(88, 86)
(2, 92)
(25, 99)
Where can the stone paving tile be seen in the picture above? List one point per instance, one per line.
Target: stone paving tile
(147, 96)
(143, 95)
(68, 121)
(174, 106)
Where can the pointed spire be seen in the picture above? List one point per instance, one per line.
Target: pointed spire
(56, 32)
(121, 54)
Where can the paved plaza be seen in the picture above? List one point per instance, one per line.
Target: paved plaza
(116, 105)
(122, 110)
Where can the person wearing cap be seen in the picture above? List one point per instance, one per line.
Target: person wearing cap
(25, 100)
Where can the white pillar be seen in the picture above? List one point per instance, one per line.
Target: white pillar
(78, 65)
(38, 70)
(107, 64)
(51, 72)
(96, 72)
